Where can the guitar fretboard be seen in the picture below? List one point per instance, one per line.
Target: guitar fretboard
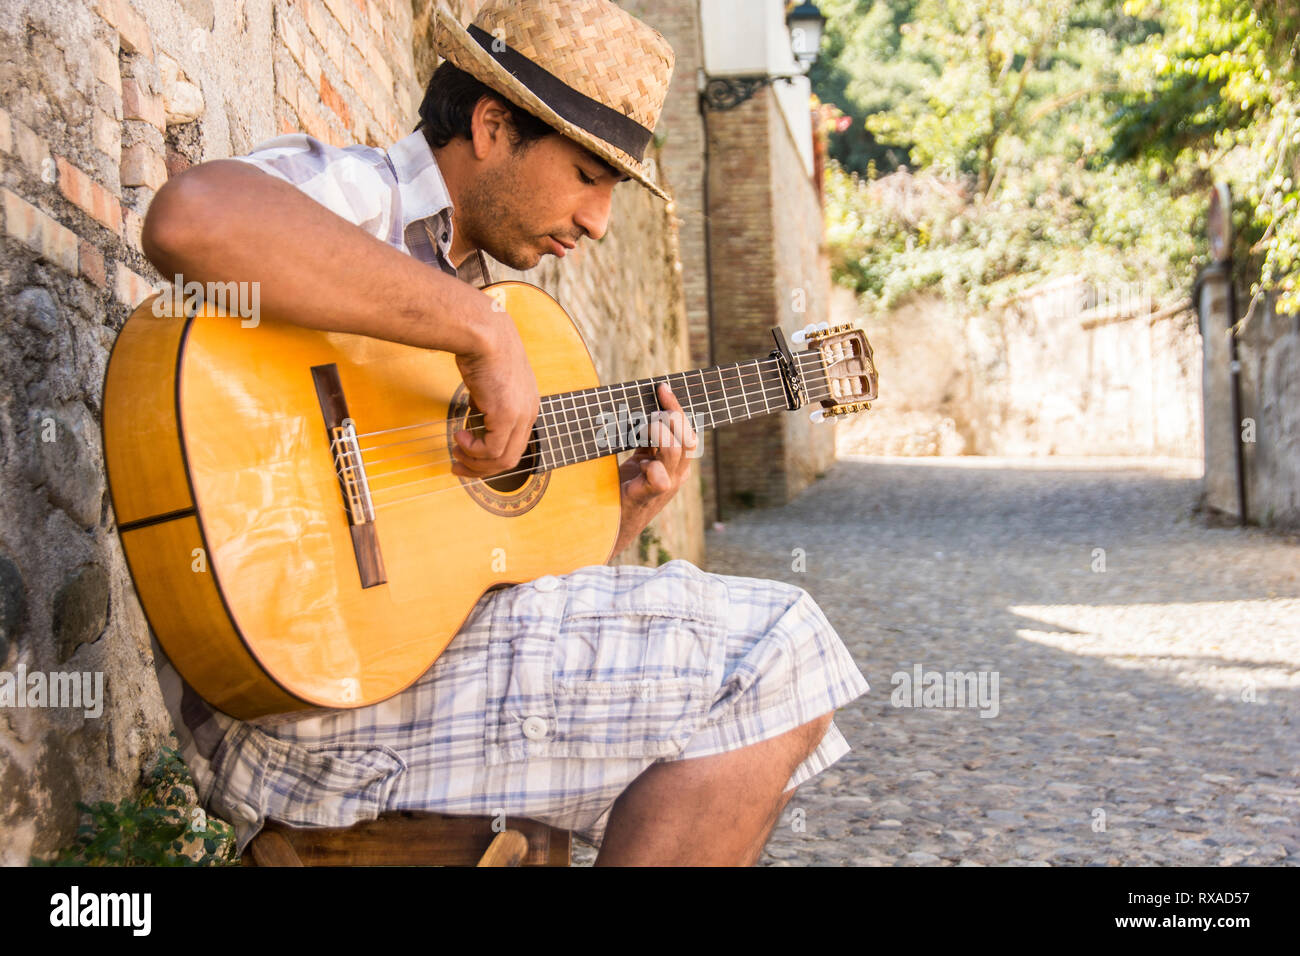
(594, 422)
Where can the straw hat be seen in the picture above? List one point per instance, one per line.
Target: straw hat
(591, 70)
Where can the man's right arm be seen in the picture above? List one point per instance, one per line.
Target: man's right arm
(227, 221)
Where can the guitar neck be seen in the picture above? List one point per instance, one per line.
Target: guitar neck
(609, 419)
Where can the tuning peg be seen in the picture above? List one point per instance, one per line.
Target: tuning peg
(800, 337)
(818, 416)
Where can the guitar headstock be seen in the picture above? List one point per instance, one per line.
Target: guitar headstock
(843, 376)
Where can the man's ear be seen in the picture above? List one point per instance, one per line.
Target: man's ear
(488, 126)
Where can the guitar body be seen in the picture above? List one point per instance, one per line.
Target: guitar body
(225, 484)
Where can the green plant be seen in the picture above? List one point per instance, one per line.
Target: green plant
(164, 827)
(648, 540)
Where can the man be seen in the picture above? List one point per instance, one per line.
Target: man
(665, 714)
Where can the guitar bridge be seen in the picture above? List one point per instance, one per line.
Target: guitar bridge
(352, 473)
(345, 451)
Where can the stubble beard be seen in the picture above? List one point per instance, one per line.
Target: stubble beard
(491, 220)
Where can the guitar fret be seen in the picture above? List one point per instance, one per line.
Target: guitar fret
(708, 404)
(544, 452)
(586, 434)
(645, 420)
(740, 382)
(568, 426)
(763, 387)
(683, 393)
(556, 413)
(586, 437)
(722, 384)
(626, 420)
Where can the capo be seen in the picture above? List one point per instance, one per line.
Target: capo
(791, 379)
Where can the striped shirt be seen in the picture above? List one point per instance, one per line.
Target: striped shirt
(398, 196)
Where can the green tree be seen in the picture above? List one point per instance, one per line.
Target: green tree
(1213, 96)
(1005, 116)
(862, 71)
(980, 54)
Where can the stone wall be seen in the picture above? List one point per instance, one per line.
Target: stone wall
(1268, 349)
(100, 101)
(1041, 375)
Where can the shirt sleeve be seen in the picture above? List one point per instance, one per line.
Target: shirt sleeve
(348, 182)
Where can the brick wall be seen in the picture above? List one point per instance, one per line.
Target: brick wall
(344, 70)
(767, 259)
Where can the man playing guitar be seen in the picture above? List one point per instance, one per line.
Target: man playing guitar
(664, 714)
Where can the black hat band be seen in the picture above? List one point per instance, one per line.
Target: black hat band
(581, 110)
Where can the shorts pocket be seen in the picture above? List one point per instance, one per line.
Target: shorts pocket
(624, 679)
(329, 787)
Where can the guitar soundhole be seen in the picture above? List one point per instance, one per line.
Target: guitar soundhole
(510, 493)
(518, 476)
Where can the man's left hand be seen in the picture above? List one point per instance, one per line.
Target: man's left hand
(652, 475)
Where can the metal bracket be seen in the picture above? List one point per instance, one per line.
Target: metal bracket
(727, 92)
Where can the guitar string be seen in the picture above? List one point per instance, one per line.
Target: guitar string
(558, 430)
(744, 378)
(807, 360)
(555, 417)
(553, 434)
(459, 481)
(373, 477)
(812, 358)
(552, 426)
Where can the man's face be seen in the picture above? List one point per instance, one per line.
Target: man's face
(532, 200)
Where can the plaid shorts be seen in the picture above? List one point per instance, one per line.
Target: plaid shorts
(551, 700)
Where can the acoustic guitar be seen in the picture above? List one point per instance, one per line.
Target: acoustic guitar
(285, 501)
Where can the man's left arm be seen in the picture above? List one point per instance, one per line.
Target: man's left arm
(652, 475)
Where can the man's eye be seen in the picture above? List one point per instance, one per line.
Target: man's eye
(586, 180)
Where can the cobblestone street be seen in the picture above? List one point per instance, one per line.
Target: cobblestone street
(1147, 665)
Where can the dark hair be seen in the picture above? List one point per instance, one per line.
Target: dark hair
(448, 108)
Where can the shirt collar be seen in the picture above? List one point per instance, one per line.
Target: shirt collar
(422, 189)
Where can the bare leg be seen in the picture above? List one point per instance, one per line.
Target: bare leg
(708, 811)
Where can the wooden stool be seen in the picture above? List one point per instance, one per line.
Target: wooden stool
(406, 838)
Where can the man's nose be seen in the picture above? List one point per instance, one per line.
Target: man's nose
(593, 217)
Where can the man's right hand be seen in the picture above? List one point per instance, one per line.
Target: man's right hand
(502, 386)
